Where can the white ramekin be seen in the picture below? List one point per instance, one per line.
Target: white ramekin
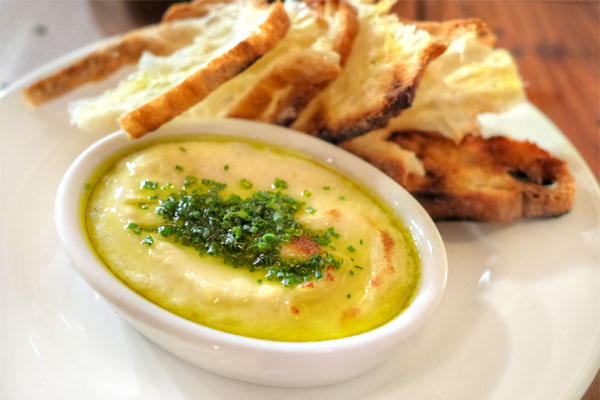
(255, 360)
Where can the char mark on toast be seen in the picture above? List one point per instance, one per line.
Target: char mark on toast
(378, 81)
(497, 179)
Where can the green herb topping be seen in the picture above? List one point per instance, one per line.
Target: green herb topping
(307, 193)
(245, 184)
(134, 228)
(244, 232)
(326, 188)
(279, 184)
(351, 249)
(146, 184)
(226, 167)
(179, 168)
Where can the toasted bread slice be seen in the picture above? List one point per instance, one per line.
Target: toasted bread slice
(161, 40)
(234, 36)
(378, 80)
(469, 78)
(496, 179)
(278, 86)
(376, 148)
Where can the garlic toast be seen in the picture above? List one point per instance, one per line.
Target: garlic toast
(378, 81)
(469, 78)
(497, 179)
(278, 86)
(234, 36)
(160, 39)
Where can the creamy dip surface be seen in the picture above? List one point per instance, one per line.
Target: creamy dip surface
(377, 278)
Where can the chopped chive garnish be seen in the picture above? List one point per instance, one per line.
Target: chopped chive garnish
(326, 188)
(310, 210)
(146, 184)
(246, 184)
(351, 272)
(143, 206)
(189, 181)
(153, 197)
(351, 249)
(361, 242)
(348, 295)
(226, 167)
(248, 232)
(179, 168)
(358, 267)
(342, 197)
(307, 193)
(182, 148)
(134, 227)
(259, 281)
(351, 259)
(88, 187)
(167, 186)
(279, 184)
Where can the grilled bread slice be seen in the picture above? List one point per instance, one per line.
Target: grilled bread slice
(378, 80)
(160, 39)
(278, 86)
(469, 78)
(494, 180)
(234, 35)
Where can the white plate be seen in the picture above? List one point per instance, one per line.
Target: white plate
(520, 319)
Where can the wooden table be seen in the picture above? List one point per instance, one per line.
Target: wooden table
(555, 43)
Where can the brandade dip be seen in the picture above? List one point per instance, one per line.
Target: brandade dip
(251, 240)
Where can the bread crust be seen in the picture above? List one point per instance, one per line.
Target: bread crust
(395, 92)
(492, 180)
(194, 9)
(300, 77)
(160, 39)
(303, 76)
(399, 95)
(447, 31)
(196, 87)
